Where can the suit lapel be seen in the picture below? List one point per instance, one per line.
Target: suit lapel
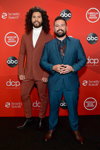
(67, 49)
(57, 52)
(30, 39)
(41, 37)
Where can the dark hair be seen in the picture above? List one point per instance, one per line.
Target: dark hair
(59, 18)
(28, 22)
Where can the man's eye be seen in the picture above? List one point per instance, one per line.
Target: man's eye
(57, 26)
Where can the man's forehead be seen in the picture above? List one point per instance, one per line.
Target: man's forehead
(60, 22)
(36, 13)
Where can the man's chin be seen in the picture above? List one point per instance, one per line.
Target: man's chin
(60, 35)
(36, 26)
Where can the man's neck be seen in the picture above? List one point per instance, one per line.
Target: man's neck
(61, 38)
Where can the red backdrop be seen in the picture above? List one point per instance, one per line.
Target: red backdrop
(84, 24)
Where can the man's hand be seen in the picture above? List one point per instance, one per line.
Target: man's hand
(66, 69)
(57, 68)
(62, 69)
(21, 77)
(44, 79)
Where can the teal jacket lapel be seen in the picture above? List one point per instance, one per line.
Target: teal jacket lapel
(57, 52)
(67, 50)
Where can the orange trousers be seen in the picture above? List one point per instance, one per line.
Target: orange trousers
(26, 88)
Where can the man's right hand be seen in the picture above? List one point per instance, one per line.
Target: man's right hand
(58, 68)
(22, 77)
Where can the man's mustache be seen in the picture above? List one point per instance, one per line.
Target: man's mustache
(36, 22)
(60, 30)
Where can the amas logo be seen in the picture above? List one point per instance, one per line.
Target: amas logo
(90, 103)
(11, 83)
(93, 15)
(12, 61)
(66, 14)
(11, 39)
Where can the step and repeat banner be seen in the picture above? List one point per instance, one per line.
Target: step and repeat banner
(83, 19)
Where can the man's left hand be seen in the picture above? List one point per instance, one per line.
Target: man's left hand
(44, 79)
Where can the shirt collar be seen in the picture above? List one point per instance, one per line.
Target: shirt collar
(62, 41)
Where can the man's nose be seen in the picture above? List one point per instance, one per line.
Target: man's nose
(60, 28)
(36, 18)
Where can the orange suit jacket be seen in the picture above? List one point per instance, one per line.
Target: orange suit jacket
(29, 56)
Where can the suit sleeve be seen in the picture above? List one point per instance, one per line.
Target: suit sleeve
(44, 61)
(21, 58)
(81, 58)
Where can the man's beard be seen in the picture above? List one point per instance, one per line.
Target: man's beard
(60, 34)
(37, 25)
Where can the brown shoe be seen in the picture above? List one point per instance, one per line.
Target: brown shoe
(78, 137)
(48, 135)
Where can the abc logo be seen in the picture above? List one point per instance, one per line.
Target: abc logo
(12, 61)
(36, 104)
(63, 104)
(92, 38)
(92, 61)
(66, 14)
(12, 83)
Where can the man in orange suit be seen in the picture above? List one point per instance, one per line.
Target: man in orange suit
(29, 71)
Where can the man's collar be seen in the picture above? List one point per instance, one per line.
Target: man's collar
(40, 28)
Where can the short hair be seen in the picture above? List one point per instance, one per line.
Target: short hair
(59, 18)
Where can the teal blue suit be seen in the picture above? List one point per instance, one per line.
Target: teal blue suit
(63, 84)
